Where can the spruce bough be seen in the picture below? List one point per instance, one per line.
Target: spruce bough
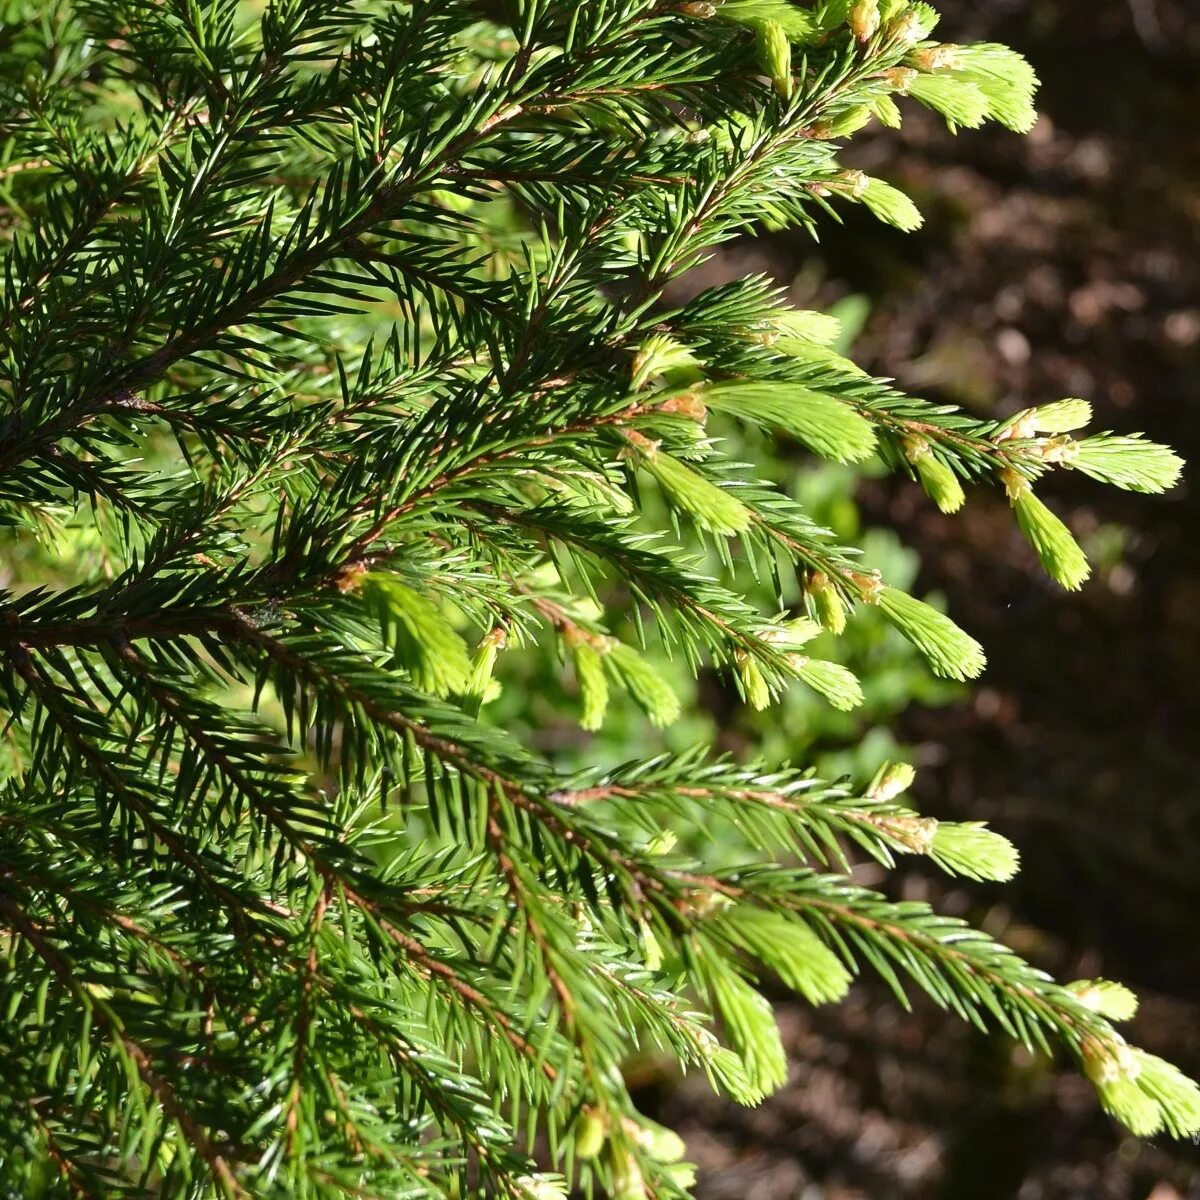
(340, 365)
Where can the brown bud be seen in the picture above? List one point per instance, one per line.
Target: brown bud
(936, 58)
(901, 78)
(864, 19)
(687, 405)
(349, 577)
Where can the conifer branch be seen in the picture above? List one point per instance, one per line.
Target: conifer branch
(347, 403)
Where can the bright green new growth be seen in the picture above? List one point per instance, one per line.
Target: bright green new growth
(837, 684)
(806, 326)
(1061, 416)
(1005, 79)
(344, 384)
(890, 204)
(654, 696)
(960, 101)
(1059, 552)
(940, 483)
(712, 508)
(1112, 1000)
(950, 652)
(1143, 1091)
(593, 685)
(775, 53)
(970, 848)
(823, 423)
(1126, 462)
(419, 634)
(794, 22)
(791, 950)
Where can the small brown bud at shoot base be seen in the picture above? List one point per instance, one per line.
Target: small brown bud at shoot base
(901, 78)
(687, 405)
(349, 578)
(639, 443)
(864, 19)
(936, 58)
(855, 182)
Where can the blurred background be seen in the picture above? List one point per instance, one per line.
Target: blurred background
(1062, 264)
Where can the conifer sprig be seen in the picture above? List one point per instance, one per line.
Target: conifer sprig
(341, 369)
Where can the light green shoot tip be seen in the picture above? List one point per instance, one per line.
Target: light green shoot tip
(951, 653)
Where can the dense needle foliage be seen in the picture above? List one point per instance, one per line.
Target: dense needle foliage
(341, 369)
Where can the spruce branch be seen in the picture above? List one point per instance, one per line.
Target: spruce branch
(346, 391)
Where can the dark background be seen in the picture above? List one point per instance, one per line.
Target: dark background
(1062, 264)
